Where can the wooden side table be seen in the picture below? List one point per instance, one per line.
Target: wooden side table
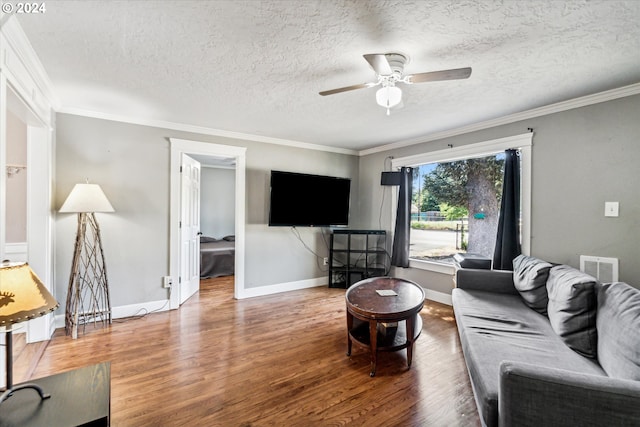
(81, 397)
(370, 309)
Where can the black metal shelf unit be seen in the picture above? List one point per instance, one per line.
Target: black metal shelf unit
(355, 255)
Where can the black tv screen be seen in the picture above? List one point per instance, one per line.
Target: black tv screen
(308, 200)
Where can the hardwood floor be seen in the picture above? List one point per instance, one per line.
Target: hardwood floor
(277, 360)
(25, 356)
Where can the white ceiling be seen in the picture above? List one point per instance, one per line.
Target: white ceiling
(256, 67)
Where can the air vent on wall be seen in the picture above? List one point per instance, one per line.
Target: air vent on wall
(603, 269)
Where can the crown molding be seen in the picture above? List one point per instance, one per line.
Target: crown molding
(16, 37)
(571, 104)
(204, 130)
(20, 44)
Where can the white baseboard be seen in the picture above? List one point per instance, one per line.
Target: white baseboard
(127, 311)
(282, 287)
(440, 297)
(163, 305)
(16, 252)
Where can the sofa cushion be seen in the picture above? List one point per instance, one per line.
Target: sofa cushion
(496, 326)
(618, 325)
(530, 279)
(572, 308)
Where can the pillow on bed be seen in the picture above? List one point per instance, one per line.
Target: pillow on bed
(230, 238)
(205, 239)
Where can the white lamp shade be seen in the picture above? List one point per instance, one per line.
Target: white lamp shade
(86, 198)
(388, 96)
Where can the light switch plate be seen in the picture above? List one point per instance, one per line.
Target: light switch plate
(611, 208)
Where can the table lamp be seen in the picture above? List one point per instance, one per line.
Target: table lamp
(22, 297)
(88, 293)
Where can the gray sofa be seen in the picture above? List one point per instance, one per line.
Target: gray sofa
(549, 346)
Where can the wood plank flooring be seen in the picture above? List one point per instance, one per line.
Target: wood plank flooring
(278, 360)
(25, 356)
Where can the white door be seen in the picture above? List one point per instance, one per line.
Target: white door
(189, 228)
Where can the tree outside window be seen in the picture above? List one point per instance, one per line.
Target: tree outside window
(456, 207)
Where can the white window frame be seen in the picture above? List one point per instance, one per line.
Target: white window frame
(521, 142)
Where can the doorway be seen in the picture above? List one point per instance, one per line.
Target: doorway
(209, 153)
(26, 181)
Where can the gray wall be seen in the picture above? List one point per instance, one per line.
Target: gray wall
(131, 163)
(274, 254)
(217, 201)
(580, 159)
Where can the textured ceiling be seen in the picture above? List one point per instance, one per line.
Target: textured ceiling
(256, 67)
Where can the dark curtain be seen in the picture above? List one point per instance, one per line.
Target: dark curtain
(508, 239)
(400, 253)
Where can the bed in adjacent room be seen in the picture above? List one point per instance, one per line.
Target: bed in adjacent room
(217, 256)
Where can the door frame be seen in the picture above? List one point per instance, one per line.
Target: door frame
(190, 209)
(189, 147)
(40, 210)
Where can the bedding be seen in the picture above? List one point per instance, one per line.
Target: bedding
(217, 257)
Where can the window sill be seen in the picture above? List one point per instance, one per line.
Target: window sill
(437, 267)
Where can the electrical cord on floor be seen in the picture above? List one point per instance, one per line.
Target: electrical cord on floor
(143, 312)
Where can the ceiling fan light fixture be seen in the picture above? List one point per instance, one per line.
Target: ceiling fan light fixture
(389, 69)
(388, 97)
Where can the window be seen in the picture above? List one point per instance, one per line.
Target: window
(455, 207)
(458, 190)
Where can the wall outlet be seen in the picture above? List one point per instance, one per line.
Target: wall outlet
(611, 209)
(325, 261)
(166, 282)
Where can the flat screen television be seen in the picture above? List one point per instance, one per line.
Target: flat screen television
(304, 200)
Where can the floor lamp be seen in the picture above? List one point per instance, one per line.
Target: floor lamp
(88, 293)
(22, 297)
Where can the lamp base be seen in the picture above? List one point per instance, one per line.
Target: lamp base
(9, 392)
(88, 293)
(9, 371)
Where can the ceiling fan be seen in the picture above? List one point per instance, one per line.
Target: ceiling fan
(389, 69)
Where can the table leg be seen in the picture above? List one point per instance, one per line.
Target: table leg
(410, 334)
(349, 327)
(373, 341)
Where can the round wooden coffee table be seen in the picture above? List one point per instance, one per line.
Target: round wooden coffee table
(371, 316)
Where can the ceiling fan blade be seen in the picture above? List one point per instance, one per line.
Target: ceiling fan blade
(348, 88)
(379, 63)
(434, 76)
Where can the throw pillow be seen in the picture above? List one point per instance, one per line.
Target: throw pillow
(205, 239)
(572, 308)
(618, 324)
(530, 279)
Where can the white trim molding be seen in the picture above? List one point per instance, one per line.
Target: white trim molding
(436, 267)
(436, 296)
(523, 142)
(27, 60)
(558, 107)
(184, 146)
(282, 287)
(132, 310)
(25, 89)
(16, 252)
(478, 149)
(204, 130)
